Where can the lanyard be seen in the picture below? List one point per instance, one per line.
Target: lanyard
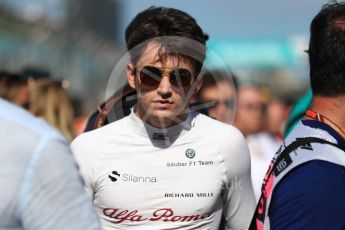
(324, 119)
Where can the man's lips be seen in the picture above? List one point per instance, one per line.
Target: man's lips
(162, 102)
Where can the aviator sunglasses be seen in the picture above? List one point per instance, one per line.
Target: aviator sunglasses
(151, 77)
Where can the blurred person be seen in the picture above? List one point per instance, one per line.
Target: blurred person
(162, 167)
(275, 118)
(249, 110)
(114, 108)
(220, 91)
(304, 186)
(14, 88)
(79, 124)
(3, 78)
(49, 100)
(79, 119)
(264, 144)
(40, 185)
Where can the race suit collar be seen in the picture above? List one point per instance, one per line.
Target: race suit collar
(161, 136)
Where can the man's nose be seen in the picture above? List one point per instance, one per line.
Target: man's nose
(165, 87)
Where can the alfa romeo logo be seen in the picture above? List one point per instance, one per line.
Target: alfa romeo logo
(190, 153)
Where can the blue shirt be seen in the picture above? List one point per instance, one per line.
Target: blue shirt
(311, 196)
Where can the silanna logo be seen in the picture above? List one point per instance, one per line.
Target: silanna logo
(113, 176)
(128, 177)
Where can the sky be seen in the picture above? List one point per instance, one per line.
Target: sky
(283, 23)
(239, 18)
(219, 18)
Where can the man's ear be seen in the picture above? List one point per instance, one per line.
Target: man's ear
(198, 82)
(131, 76)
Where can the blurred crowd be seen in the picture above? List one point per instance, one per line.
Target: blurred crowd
(260, 116)
(44, 97)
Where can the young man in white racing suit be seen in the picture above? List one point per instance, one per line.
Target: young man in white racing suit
(165, 166)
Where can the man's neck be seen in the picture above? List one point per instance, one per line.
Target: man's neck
(331, 107)
(161, 123)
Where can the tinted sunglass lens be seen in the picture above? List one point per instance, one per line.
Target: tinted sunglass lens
(181, 77)
(150, 76)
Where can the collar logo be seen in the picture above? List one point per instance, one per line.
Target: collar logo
(190, 153)
(158, 136)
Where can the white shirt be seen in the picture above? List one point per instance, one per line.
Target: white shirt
(262, 147)
(184, 177)
(40, 185)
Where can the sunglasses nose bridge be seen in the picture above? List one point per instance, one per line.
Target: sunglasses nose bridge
(166, 74)
(165, 85)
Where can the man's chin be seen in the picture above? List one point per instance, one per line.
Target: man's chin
(167, 116)
(163, 115)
